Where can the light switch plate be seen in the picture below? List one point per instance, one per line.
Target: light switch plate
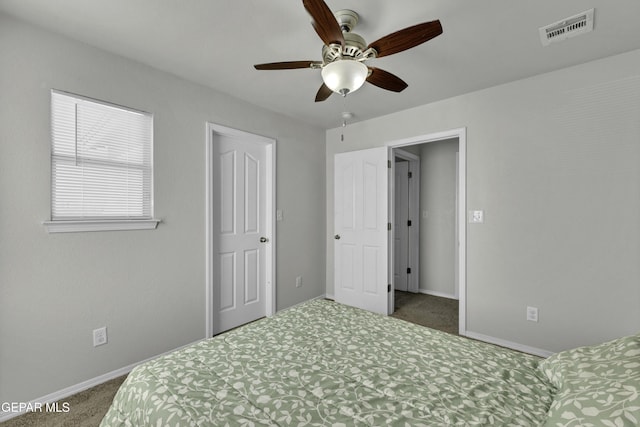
(476, 217)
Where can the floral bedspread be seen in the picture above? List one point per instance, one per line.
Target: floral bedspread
(326, 364)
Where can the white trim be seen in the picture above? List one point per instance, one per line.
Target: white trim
(323, 296)
(270, 291)
(330, 296)
(271, 308)
(461, 134)
(85, 385)
(508, 344)
(391, 219)
(208, 231)
(73, 226)
(438, 294)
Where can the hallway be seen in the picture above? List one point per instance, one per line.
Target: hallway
(427, 310)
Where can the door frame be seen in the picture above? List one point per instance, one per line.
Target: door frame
(414, 213)
(270, 202)
(461, 135)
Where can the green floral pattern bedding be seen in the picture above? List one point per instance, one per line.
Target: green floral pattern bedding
(326, 364)
(597, 385)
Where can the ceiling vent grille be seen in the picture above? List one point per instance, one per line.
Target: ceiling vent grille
(569, 27)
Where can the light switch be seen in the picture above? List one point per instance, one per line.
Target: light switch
(476, 217)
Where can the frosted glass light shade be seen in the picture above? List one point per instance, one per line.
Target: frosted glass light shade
(344, 76)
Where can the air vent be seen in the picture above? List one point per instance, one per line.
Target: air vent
(568, 27)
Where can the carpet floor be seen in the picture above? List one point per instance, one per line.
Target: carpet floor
(427, 310)
(87, 408)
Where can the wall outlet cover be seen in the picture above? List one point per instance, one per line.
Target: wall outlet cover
(476, 217)
(99, 336)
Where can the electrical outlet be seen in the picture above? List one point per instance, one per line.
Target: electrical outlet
(298, 281)
(100, 336)
(532, 314)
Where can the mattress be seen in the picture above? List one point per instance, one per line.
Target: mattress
(327, 364)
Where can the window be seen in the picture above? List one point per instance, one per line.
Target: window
(101, 166)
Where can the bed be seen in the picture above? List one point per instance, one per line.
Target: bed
(326, 364)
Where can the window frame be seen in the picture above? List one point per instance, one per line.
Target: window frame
(72, 224)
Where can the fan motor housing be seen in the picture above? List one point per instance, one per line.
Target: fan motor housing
(354, 47)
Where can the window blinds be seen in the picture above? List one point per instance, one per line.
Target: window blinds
(101, 160)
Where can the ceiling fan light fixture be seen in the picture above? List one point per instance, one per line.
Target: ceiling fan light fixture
(344, 75)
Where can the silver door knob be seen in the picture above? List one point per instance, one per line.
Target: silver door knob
(337, 237)
(263, 240)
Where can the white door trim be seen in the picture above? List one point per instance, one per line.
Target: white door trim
(461, 134)
(270, 291)
(414, 214)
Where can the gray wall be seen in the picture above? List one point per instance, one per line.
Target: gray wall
(437, 230)
(147, 287)
(554, 161)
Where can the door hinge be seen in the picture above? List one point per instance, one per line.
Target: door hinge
(389, 226)
(410, 174)
(389, 164)
(389, 287)
(408, 270)
(409, 223)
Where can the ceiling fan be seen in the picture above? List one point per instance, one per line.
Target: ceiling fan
(344, 53)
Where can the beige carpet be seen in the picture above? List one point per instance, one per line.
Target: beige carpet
(86, 409)
(427, 310)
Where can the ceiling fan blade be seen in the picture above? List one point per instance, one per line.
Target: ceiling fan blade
(324, 22)
(323, 93)
(406, 38)
(287, 65)
(385, 80)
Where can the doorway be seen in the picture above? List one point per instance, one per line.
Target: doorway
(451, 219)
(406, 205)
(240, 232)
(363, 218)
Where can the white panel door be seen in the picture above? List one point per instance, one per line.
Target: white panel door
(239, 223)
(361, 234)
(401, 227)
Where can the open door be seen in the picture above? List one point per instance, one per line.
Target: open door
(240, 229)
(362, 235)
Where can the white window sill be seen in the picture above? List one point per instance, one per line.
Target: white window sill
(100, 225)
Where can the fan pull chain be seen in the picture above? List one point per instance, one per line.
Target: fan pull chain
(345, 115)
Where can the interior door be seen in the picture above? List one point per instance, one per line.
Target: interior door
(239, 223)
(401, 226)
(362, 270)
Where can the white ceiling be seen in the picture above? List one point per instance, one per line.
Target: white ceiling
(216, 43)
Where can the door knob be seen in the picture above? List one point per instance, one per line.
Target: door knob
(263, 240)
(337, 237)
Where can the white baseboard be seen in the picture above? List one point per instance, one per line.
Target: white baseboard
(323, 296)
(437, 294)
(85, 385)
(74, 389)
(330, 296)
(512, 345)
